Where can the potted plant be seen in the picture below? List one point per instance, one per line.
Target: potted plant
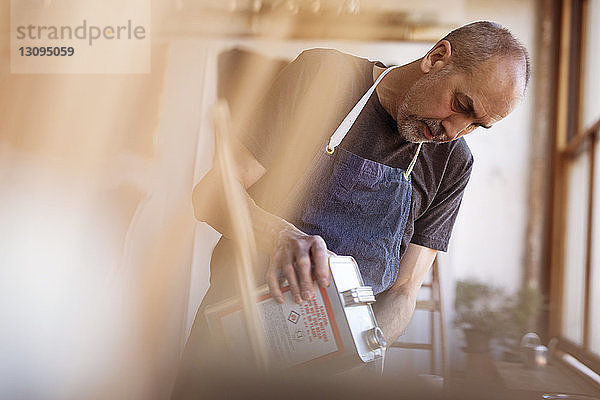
(485, 312)
(478, 311)
(520, 316)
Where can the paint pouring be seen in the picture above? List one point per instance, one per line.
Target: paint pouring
(336, 329)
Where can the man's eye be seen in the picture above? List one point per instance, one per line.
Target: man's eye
(458, 106)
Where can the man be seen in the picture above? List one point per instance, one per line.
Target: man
(388, 194)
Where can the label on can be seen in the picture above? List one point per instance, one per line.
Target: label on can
(294, 333)
(335, 329)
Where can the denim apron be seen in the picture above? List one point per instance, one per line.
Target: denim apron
(358, 206)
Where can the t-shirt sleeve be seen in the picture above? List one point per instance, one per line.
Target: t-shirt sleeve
(434, 228)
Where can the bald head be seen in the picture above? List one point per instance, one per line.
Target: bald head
(481, 41)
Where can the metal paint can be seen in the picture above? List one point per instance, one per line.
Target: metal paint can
(337, 329)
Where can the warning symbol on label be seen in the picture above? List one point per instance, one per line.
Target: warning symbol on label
(294, 317)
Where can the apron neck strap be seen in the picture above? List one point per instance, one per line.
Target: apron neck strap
(412, 163)
(344, 127)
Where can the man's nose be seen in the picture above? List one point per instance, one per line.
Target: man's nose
(457, 126)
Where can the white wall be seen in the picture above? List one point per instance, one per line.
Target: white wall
(488, 242)
(489, 236)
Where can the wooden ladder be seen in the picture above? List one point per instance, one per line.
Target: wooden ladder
(434, 306)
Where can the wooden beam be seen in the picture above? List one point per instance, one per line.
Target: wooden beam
(585, 357)
(412, 346)
(575, 144)
(275, 24)
(575, 69)
(559, 176)
(536, 272)
(588, 255)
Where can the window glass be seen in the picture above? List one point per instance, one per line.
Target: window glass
(575, 247)
(595, 276)
(591, 86)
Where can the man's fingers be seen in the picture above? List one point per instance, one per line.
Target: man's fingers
(320, 257)
(302, 259)
(290, 274)
(273, 280)
(303, 268)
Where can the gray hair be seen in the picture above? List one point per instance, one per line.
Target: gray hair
(482, 40)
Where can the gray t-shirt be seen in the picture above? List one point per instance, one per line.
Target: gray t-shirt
(305, 104)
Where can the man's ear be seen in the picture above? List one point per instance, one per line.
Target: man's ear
(437, 57)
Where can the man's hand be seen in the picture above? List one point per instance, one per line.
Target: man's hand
(302, 258)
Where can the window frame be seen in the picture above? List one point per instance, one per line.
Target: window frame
(571, 140)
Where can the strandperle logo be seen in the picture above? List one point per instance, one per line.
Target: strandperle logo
(80, 36)
(91, 33)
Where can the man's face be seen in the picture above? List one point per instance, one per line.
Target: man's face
(446, 104)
